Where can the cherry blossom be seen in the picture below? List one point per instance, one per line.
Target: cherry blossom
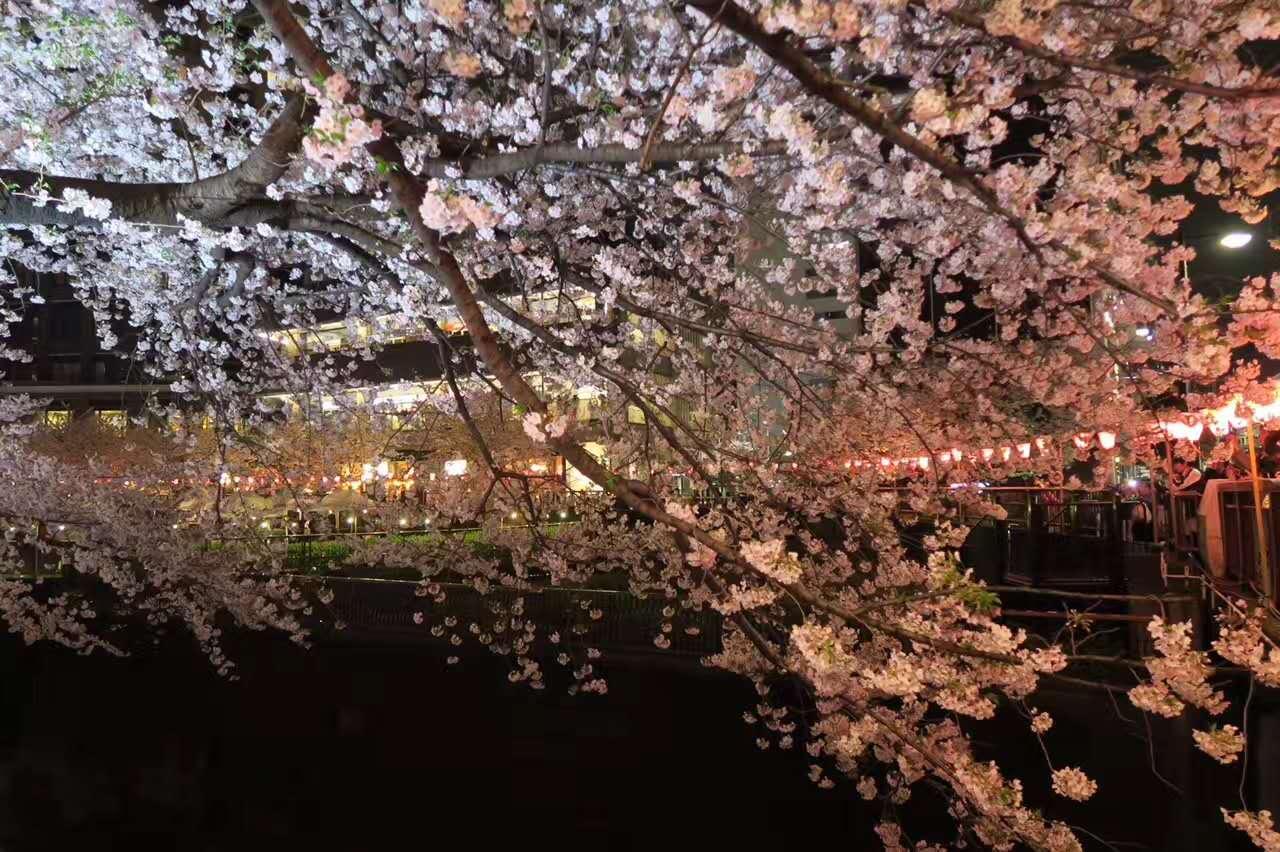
(1222, 744)
(645, 204)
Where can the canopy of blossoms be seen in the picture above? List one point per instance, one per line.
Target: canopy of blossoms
(990, 191)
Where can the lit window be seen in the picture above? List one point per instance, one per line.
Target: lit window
(116, 421)
(576, 480)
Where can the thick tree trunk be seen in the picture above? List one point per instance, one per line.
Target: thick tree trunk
(207, 201)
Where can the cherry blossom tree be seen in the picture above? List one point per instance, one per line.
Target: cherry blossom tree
(991, 190)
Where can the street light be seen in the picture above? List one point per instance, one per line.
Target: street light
(1235, 239)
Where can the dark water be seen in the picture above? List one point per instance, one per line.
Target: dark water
(375, 747)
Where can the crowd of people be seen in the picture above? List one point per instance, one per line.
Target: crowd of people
(1188, 476)
(1189, 473)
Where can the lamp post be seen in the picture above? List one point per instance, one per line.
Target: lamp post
(1259, 520)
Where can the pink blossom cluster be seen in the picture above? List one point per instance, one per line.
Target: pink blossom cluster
(461, 63)
(451, 213)
(1259, 826)
(340, 128)
(1179, 674)
(1071, 783)
(1222, 744)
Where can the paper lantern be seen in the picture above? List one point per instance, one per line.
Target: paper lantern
(1107, 440)
(1024, 450)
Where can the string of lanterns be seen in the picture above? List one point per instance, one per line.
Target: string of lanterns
(1236, 414)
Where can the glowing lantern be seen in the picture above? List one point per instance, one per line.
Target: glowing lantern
(957, 455)
(1024, 450)
(923, 462)
(1107, 440)
(1082, 441)
(1006, 453)
(987, 453)
(455, 467)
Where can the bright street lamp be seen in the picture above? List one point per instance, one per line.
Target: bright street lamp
(1235, 239)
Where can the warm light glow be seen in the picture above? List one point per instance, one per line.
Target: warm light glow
(923, 462)
(1235, 239)
(1107, 440)
(987, 453)
(1006, 453)
(1024, 450)
(1133, 483)
(1082, 441)
(1183, 431)
(384, 468)
(404, 522)
(957, 455)
(455, 467)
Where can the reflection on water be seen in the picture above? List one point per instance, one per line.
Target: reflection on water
(350, 747)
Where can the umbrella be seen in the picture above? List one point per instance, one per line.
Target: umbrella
(344, 501)
(284, 502)
(249, 503)
(196, 502)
